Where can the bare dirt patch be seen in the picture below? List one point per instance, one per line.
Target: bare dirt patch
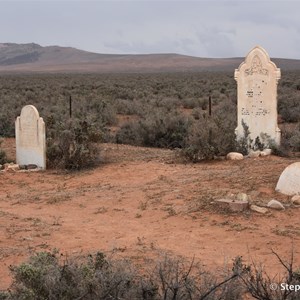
(142, 202)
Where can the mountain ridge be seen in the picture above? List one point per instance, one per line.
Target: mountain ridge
(31, 57)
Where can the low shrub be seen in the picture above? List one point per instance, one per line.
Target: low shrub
(262, 286)
(72, 145)
(160, 128)
(2, 154)
(49, 276)
(207, 138)
(45, 276)
(290, 142)
(7, 124)
(294, 140)
(174, 278)
(288, 105)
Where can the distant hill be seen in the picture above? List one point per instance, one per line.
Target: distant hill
(35, 58)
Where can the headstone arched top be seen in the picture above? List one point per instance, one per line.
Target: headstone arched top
(258, 62)
(30, 111)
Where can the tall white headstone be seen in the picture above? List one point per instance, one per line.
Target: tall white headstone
(30, 138)
(257, 78)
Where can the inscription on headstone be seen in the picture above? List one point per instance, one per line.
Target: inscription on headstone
(257, 79)
(30, 138)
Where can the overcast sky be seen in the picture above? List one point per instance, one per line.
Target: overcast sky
(216, 28)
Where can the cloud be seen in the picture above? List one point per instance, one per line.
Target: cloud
(217, 42)
(219, 28)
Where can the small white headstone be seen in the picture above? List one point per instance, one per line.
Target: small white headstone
(257, 79)
(289, 180)
(30, 138)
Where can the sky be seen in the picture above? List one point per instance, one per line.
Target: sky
(215, 28)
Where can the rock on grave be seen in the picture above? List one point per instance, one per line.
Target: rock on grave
(257, 79)
(275, 204)
(289, 180)
(296, 200)
(233, 205)
(11, 167)
(30, 138)
(254, 154)
(259, 209)
(266, 152)
(242, 197)
(234, 156)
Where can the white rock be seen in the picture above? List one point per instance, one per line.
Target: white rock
(289, 180)
(266, 152)
(254, 154)
(234, 156)
(296, 199)
(232, 205)
(261, 210)
(242, 197)
(12, 167)
(275, 204)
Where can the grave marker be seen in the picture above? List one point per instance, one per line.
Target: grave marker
(289, 180)
(30, 138)
(257, 78)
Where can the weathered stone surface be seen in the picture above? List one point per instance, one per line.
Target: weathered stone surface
(11, 167)
(28, 167)
(31, 167)
(289, 180)
(296, 200)
(266, 152)
(232, 205)
(275, 204)
(254, 154)
(261, 210)
(257, 153)
(30, 138)
(242, 197)
(257, 79)
(234, 156)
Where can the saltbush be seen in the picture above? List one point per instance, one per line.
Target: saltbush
(72, 145)
(2, 154)
(294, 140)
(211, 136)
(207, 138)
(46, 276)
(49, 276)
(157, 101)
(160, 128)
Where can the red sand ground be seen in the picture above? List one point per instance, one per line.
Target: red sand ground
(141, 202)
